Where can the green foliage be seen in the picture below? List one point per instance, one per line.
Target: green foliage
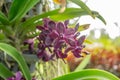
(88, 74)
(14, 31)
(69, 13)
(83, 6)
(96, 14)
(20, 8)
(3, 18)
(83, 64)
(11, 51)
(4, 72)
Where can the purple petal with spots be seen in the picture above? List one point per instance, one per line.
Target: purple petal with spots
(52, 25)
(58, 44)
(71, 41)
(54, 34)
(81, 40)
(48, 41)
(70, 31)
(60, 27)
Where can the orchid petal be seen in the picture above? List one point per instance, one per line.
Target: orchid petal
(18, 75)
(60, 27)
(81, 40)
(52, 25)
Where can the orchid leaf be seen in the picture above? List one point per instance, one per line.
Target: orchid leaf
(83, 6)
(20, 8)
(5, 72)
(15, 8)
(3, 18)
(83, 64)
(11, 51)
(96, 14)
(88, 74)
(69, 13)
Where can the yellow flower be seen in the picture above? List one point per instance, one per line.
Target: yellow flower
(62, 3)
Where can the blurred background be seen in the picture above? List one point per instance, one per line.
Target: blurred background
(105, 46)
(110, 11)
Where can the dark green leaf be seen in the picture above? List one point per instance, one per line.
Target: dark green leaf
(20, 8)
(2, 36)
(3, 18)
(11, 51)
(88, 74)
(4, 72)
(16, 6)
(96, 14)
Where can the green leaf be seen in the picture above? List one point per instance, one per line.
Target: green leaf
(55, 15)
(15, 8)
(11, 51)
(69, 13)
(3, 18)
(4, 72)
(20, 8)
(83, 6)
(96, 14)
(83, 64)
(88, 74)
(2, 36)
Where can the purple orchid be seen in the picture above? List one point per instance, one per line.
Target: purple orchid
(55, 37)
(18, 76)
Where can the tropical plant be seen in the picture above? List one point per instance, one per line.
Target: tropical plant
(15, 28)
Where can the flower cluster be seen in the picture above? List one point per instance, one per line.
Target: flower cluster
(56, 40)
